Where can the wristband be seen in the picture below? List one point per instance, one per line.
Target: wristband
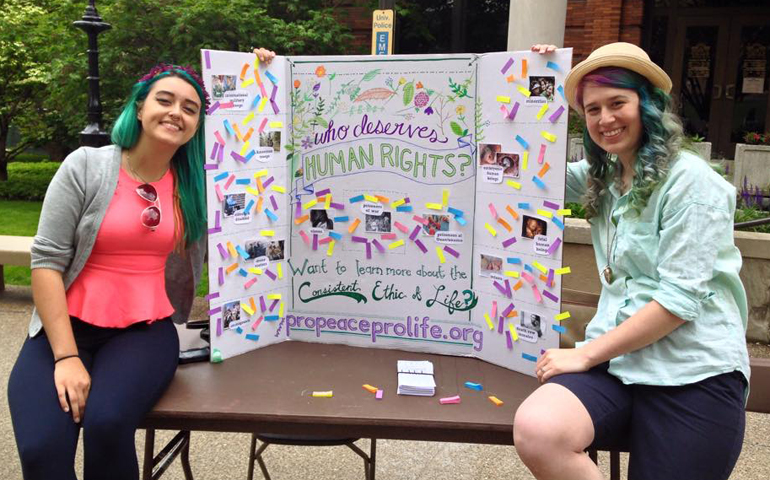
(65, 358)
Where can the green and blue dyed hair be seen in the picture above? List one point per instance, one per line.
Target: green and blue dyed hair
(187, 162)
(661, 141)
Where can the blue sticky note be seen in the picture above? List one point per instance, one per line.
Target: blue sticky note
(404, 208)
(242, 252)
(242, 181)
(529, 357)
(514, 260)
(239, 330)
(560, 89)
(271, 318)
(460, 220)
(275, 80)
(357, 198)
(250, 154)
(455, 211)
(228, 127)
(538, 182)
(528, 268)
(270, 214)
(252, 336)
(255, 102)
(221, 176)
(558, 223)
(522, 142)
(474, 386)
(248, 206)
(341, 219)
(243, 272)
(559, 328)
(335, 235)
(523, 205)
(552, 66)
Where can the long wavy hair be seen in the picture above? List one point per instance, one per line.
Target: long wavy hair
(661, 141)
(186, 164)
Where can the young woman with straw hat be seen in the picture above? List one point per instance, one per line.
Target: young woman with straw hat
(664, 370)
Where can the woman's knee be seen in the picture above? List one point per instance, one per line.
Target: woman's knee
(107, 426)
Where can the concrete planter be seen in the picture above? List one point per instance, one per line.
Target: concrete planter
(575, 151)
(703, 149)
(755, 275)
(752, 162)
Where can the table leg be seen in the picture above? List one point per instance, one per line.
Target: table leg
(372, 456)
(186, 457)
(149, 447)
(614, 465)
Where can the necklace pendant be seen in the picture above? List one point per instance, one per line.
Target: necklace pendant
(607, 272)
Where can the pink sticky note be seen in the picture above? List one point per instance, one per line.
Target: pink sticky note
(219, 137)
(526, 276)
(229, 181)
(494, 309)
(262, 125)
(420, 219)
(388, 236)
(449, 400)
(541, 155)
(492, 210)
(220, 196)
(536, 293)
(378, 395)
(401, 227)
(304, 237)
(250, 283)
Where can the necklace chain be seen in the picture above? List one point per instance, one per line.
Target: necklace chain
(135, 173)
(607, 272)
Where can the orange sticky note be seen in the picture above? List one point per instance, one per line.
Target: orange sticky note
(504, 224)
(301, 219)
(523, 68)
(243, 70)
(354, 225)
(512, 212)
(543, 170)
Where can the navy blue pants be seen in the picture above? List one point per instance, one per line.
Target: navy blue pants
(130, 368)
(689, 432)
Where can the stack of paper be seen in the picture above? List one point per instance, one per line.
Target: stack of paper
(416, 378)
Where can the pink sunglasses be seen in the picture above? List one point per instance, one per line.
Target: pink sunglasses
(150, 216)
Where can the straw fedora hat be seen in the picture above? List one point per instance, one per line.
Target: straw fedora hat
(619, 54)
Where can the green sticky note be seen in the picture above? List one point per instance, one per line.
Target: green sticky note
(216, 356)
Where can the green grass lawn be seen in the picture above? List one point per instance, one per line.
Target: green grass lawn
(19, 218)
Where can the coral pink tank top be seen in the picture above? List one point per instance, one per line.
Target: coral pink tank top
(123, 281)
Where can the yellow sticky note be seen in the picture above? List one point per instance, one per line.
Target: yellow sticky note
(542, 111)
(562, 316)
(514, 335)
(255, 271)
(247, 309)
(247, 82)
(279, 267)
(330, 250)
(278, 188)
(398, 203)
(370, 388)
(245, 148)
(274, 296)
(512, 273)
(489, 321)
(310, 204)
(261, 173)
(514, 184)
(544, 213)
(248, 118)
(328, 202)
(540, 267)
(565, 212)
(252, 191)
(562, 271)
(280, 311)
(328, 394)
(434, 206)
(445, 198)
(524, 91)
(267, 233)
(503, 99)
(490, 229)
(495, 400)
(440, 254)
(231, 249)
(262, 104)
(524, 158)
(371, 198)
(548, 136)
(276, 124)
(395, 244)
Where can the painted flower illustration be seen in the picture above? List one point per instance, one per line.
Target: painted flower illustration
(419, 85)
(297, 83)
(307, 142)
(389, 81)
(428, 111)
(401, 81)
(421, 99)
(460, 109)
(320, 71)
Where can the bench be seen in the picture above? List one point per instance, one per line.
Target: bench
(14, 250)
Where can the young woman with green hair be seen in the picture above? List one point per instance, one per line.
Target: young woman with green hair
(663, 371)
(115, 261)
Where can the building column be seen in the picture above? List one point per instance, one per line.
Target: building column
(540, 21)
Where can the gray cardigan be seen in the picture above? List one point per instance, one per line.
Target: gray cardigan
(73, 209)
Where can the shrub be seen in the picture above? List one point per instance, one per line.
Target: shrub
(27, 181)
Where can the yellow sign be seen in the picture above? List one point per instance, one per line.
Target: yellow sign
(382, 32)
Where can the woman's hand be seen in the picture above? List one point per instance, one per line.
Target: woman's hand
(561, 360)
(264, 55)
(73, 381)
(543, 48)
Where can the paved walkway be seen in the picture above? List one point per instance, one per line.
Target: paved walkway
(218, 456)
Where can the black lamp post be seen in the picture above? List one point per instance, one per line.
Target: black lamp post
(92, 24)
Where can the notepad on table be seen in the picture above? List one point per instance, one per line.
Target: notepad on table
(416, 378)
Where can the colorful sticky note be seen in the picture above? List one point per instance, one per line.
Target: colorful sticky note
(495, 400)
(562, 316)
(503, 99)
(490, 229)
(449, 400)
(548, 136)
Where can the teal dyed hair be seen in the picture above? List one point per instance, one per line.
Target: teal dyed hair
(661, 141)
(187, 162)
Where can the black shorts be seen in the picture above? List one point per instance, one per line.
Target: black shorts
(685, 432)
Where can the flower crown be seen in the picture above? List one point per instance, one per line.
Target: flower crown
(163, 68)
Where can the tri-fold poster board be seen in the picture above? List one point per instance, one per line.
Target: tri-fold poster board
(411, 202)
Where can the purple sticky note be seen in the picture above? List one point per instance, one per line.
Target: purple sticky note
(550, 296)
(368, 251)
(214, 311)
(323, 192)
(509, 242)
(213, 155)
(213, 108)
(554, 246)
(551, 205)
(214, 230)
(549, 280)
(262, 305)
(420, 245)
(415, 232)
(221, 276)
(507, 65)
(207, 57)
(508, 291)
(272, 94)
(451, 251)
(508, 339)
(500, 325)
(210, 166)
(211, 296)
(238, 157)
(555, 116)
(222, 250)
(297, 209)
(274, 304)
(219, 326)
(270, 274)
(273, 202)
(359, 239)
(217, 214)
(221, 154)
(507, 310)
(337, 206)
(268, 182)
(499, 287)
(514, 109)
(378, 245)
(276, 110)
(315, 241)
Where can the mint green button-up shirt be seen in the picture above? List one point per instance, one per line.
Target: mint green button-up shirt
(679, 252)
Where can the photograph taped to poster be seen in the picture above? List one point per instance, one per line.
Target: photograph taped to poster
(376, 193)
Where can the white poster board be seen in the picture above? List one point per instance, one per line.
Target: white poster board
(411, 202)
